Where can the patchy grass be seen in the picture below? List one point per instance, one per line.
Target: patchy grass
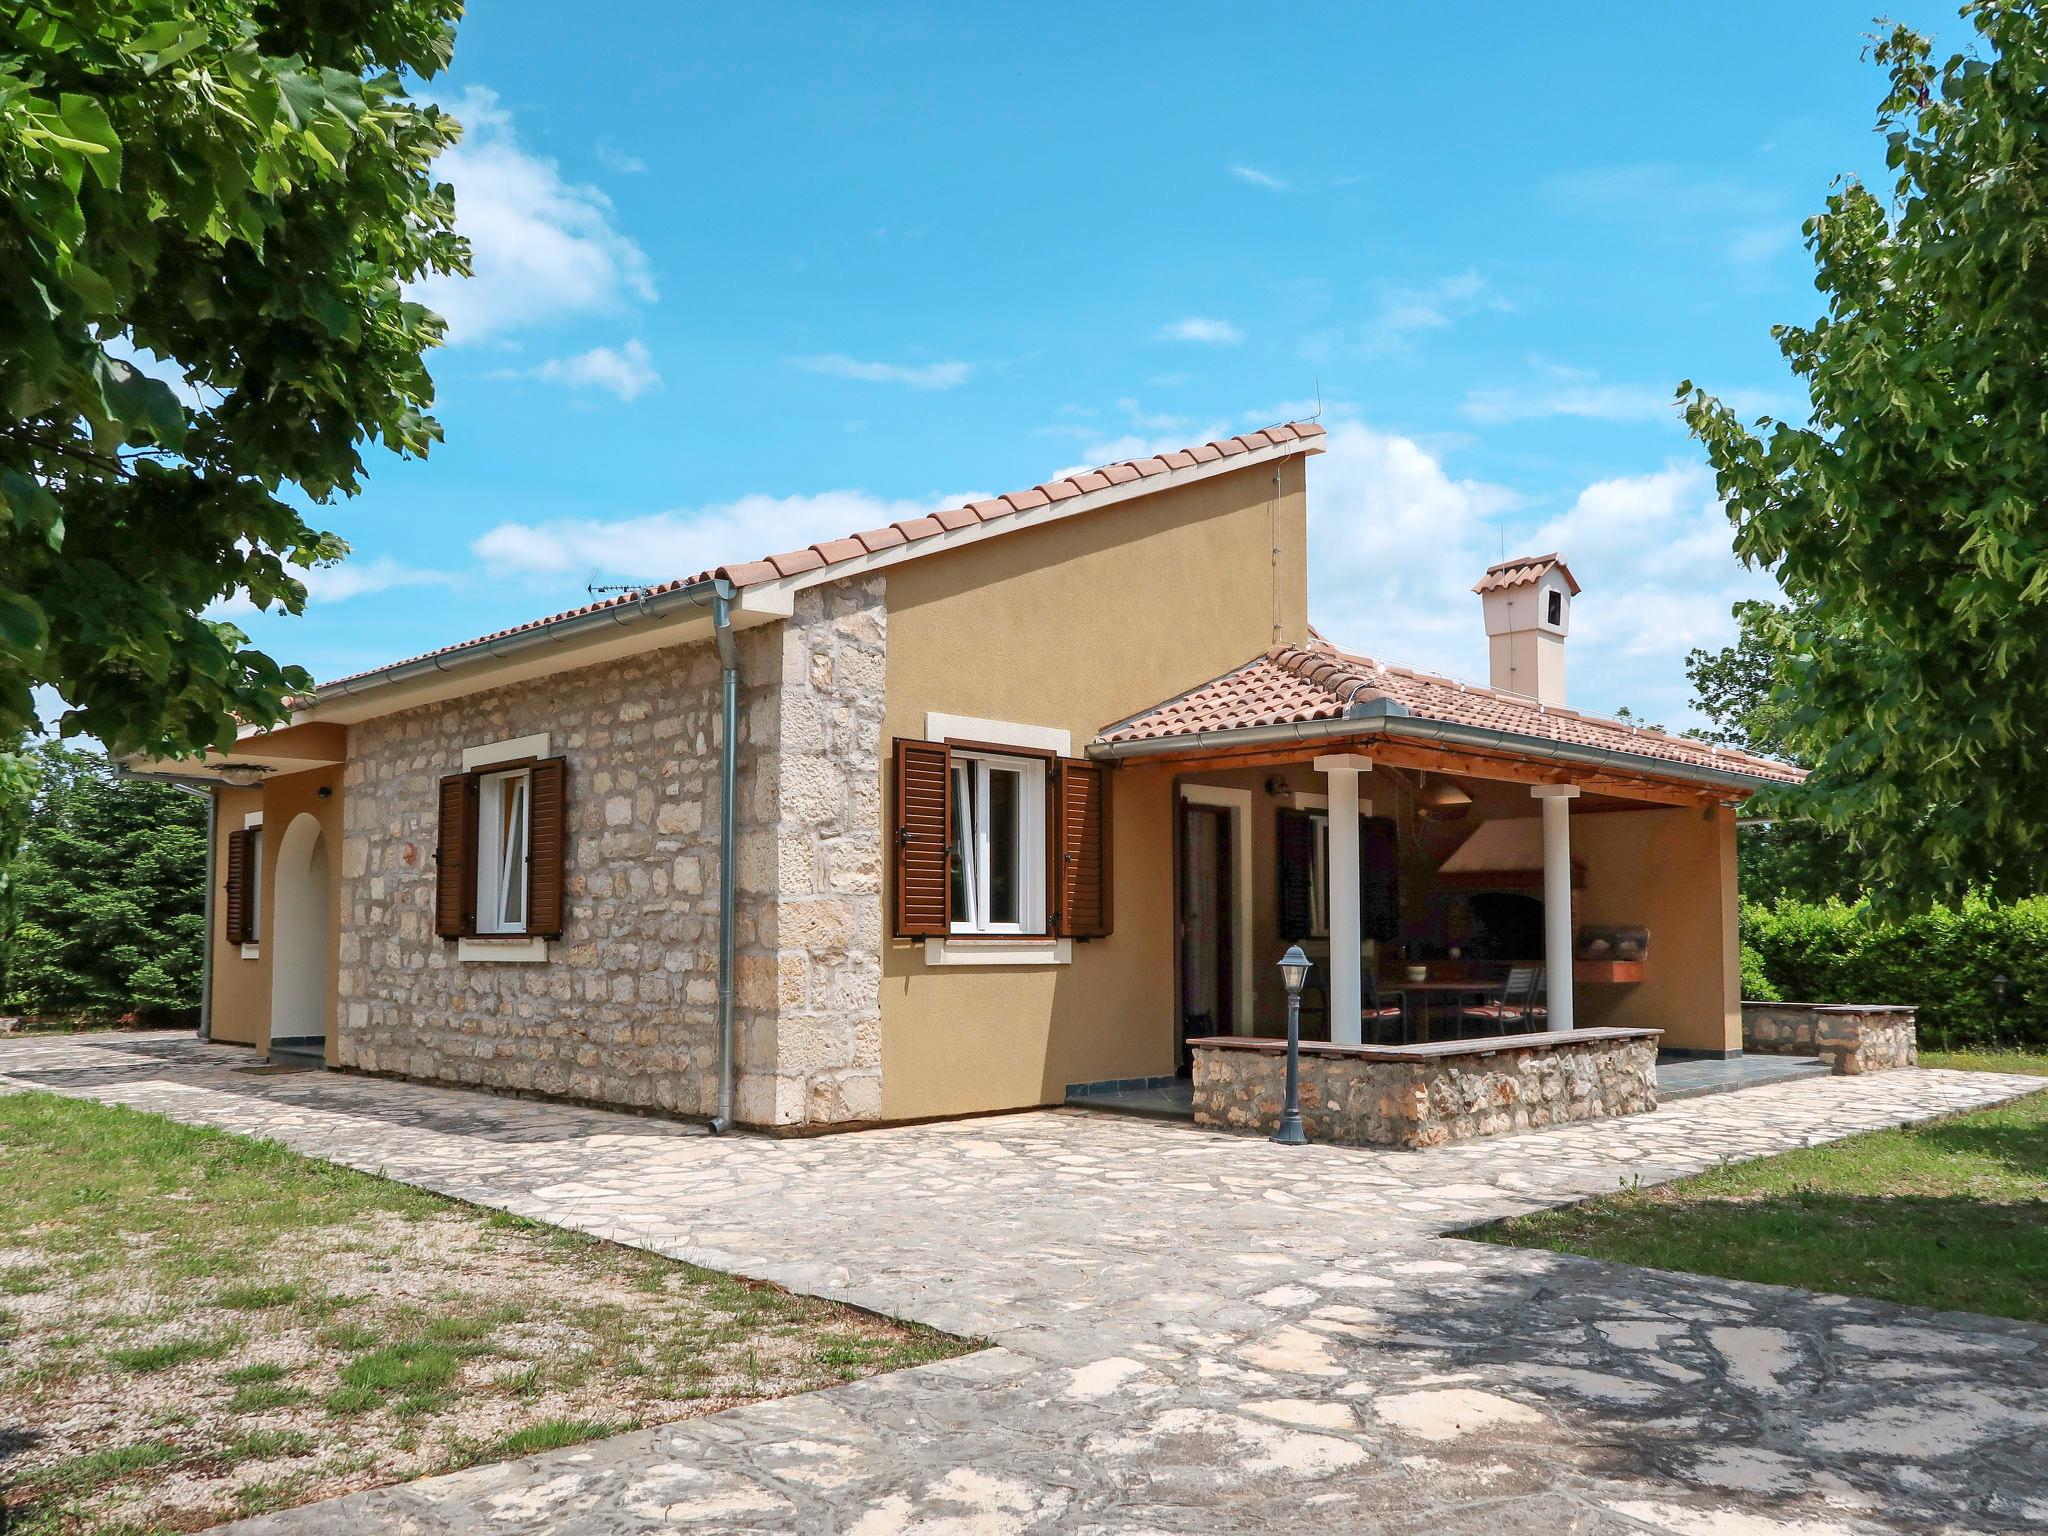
(199, 1327)
(1951, 1214)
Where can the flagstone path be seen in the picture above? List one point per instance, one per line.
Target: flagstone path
(1195, 1332)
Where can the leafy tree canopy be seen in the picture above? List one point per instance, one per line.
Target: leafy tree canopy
(110, 884)
(237, 188)
(1742, 690)
(1904, 519)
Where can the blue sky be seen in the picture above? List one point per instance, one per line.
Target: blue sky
(749, 276)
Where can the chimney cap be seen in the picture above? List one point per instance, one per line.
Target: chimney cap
(1523, 570)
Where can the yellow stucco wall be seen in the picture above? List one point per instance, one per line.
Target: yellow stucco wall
(1074, 625)
(242, 985)
(1674, 872)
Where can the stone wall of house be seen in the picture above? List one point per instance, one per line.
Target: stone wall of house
(1363, 1096)
(1848, 1038)
(811, 866)
(624, 1009)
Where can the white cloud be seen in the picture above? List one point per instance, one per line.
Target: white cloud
(543, 248)
(837, 365)
(663, 546)
(1396, 542)
(1407, 310)
(1585, 398)
(1580, 393)
(1259, 178)
(1201, 328)
(353, 577)
(617, 160)
(627, 372)
(1748, 246)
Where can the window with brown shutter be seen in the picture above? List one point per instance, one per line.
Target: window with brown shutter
(1081, 872)
(238, 922)
(548, 837)
(924, 839)
(455, 858)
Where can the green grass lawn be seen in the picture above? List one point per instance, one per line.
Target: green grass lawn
(196, 1326)
(1952, 1214)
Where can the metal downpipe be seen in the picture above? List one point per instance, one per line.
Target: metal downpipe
(728, 840)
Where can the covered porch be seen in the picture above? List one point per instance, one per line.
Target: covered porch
(1461, 864)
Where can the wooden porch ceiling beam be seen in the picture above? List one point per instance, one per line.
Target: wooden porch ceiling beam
(1478, 765)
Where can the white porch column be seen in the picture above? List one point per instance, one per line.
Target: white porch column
(1347, 992)
(1557, 898)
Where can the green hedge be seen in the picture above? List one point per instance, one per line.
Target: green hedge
(1945, 962)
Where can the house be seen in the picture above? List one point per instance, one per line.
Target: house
(1023, 795)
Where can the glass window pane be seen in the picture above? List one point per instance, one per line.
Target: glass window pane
(964, 882)
(1005, 845)
(512, 858)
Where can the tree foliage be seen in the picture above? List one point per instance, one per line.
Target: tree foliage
(110, 881)
(1904, 519)
(1742, 690)
(230, 193)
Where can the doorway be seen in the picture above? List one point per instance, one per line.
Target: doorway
(301, 939)
(1207, 926)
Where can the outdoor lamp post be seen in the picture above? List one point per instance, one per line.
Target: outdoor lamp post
(1293, 971)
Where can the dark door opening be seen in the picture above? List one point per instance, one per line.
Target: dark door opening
(1207, 985)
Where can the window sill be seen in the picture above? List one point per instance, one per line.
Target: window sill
(252, 951)
(998, 951)
(514, 951)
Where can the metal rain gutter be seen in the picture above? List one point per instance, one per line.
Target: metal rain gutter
(1384, 717)
(642, 610)
(728, 837)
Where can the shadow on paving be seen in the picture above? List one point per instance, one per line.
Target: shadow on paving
(442, 1109)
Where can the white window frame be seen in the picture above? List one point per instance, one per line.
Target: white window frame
(515, 948)
(495, 877)
(1031, 892)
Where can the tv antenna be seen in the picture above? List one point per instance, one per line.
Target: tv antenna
(621, 589)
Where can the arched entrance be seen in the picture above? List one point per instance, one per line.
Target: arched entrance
(301, 944)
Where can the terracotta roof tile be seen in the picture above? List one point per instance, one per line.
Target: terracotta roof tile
(875, 540)
(1521, 571)
(833, 551)
(1290, 685)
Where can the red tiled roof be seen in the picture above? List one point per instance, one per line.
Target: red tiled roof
(1290, 685)
(837, 551)
(1522, 570)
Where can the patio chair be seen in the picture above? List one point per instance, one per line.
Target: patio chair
(1383, 1013)
(1510, 1009)
(1539, 1001)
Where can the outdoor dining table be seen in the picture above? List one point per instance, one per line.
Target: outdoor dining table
(1420, 1000)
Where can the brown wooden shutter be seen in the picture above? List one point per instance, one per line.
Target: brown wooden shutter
(924, 839)
(547, 837)
(236, 905)
(1081, 873)
(455, 858)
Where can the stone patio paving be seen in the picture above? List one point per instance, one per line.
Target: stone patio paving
(1198, 1333)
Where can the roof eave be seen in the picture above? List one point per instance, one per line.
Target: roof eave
(1373, 720)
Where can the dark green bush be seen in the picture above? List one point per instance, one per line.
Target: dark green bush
(1946, 962)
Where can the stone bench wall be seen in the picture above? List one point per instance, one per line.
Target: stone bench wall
(1850, 1038)
(1376, 1097)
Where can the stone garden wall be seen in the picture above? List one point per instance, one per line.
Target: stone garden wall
(1391, 1096)
(1850, 1038)
(624, 1008)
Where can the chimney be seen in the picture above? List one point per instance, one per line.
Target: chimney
(1528, 604)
